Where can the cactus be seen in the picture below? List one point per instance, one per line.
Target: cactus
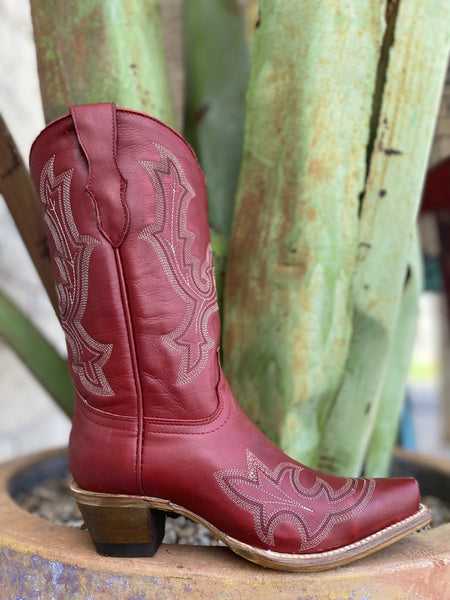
(101, 52)
(390, 205)
(334, 159)
(288, 318)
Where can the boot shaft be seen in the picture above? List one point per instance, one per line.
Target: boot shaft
(124, 201)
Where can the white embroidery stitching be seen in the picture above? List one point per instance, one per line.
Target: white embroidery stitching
(72, 255)
(193, 282)
(277, 496)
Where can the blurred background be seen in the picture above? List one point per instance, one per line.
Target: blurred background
(29, 419)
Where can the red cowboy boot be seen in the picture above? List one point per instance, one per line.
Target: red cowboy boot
(156, 427)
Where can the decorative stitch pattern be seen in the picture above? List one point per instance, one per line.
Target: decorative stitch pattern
(278, 496)
(72, 255)
(192, 280)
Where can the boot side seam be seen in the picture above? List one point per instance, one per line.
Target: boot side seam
(135, 367)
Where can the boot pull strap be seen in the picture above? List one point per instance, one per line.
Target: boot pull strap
(96, 129)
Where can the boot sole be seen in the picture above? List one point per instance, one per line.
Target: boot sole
(127, 526)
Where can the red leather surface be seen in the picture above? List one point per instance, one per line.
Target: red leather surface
(154, 414)
(96, 130)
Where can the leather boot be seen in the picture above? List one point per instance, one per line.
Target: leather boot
(156, 428)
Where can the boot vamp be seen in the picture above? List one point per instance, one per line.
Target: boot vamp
(237, 480)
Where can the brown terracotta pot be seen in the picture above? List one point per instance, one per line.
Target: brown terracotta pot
(39, 559)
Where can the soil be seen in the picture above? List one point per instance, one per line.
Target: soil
(52, 500)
